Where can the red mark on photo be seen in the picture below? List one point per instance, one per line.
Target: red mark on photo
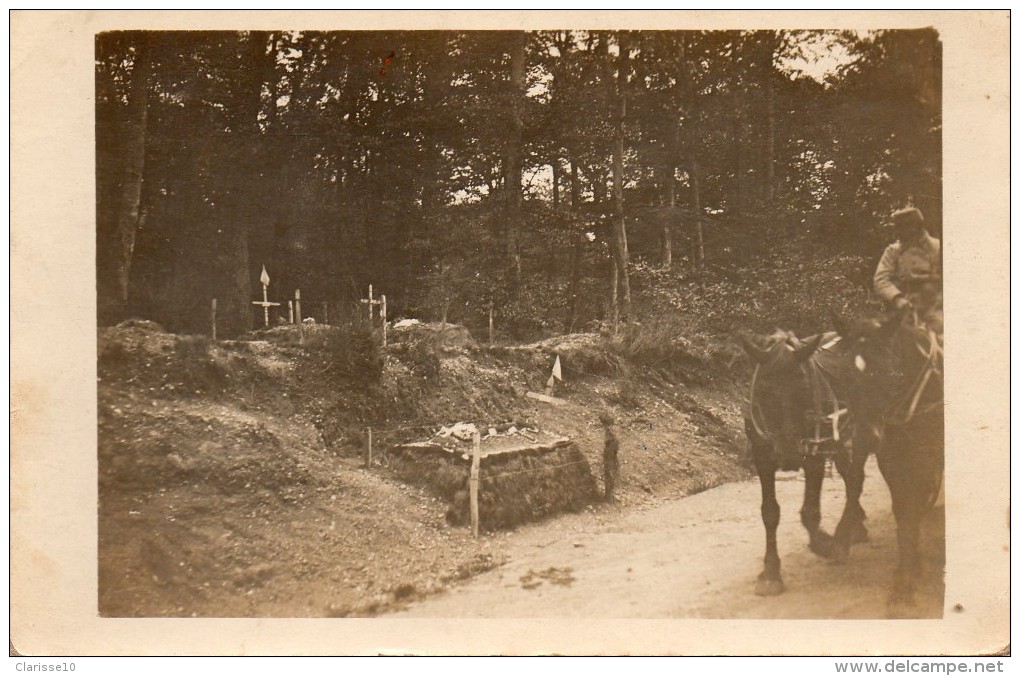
(386, 62)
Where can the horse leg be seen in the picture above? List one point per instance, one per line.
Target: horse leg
(811, 512)
(850, 529)
(908, 513)
(770, 580)
(898, 464)
(911, 464)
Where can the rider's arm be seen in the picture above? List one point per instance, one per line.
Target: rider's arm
(885, 273)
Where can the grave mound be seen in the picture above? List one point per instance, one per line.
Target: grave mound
(443, 336)
(525, 474)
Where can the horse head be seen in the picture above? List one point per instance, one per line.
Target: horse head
(781, 390)
(896, 371)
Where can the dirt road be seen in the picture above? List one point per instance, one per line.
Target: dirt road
(693, 558)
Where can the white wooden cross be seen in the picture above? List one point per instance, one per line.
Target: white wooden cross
(264, 278)
(371, 303)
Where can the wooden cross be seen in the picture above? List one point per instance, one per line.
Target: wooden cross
(371, 303)
(264, 278)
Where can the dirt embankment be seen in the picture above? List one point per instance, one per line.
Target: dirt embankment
(232, 477)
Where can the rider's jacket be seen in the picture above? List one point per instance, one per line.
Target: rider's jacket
(915, 271)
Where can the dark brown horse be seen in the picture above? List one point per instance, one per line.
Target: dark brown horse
(896, 397)
(797, 417)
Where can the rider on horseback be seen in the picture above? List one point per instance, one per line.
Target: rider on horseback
(909, 275)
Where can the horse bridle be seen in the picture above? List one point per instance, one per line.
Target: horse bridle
(913, 395)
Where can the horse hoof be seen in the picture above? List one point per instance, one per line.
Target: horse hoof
(822, 545)
(840, 554)
(900, 604)
(859, 534)
(770, 587)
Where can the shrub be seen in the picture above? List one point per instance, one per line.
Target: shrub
(196, 366)
(422, 355)
(350, 351)
(666, 343)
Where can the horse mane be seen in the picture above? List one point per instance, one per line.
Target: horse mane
(912, 354)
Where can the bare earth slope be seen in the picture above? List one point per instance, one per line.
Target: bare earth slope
(232, 481)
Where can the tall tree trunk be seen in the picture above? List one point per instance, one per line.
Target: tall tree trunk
(772, 42)
(438, 74)
(599, 188)
(597, 180)
(666, 236)
(673, 150)
(693, 166)
(575, 255)
(699, 237)
(556, 182)
(614, 295)
(617, 96)
(512, 160)
(242, 306)
(770, 144)
(251, 208)
(110, 50)
(135, 123)
(737, 191)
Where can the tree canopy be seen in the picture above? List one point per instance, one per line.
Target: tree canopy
(564, 178)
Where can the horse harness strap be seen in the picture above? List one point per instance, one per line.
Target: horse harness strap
(821, 387)
(822, 392)
(759, 428)
(923, 378)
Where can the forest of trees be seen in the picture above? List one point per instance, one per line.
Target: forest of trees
(568, 178)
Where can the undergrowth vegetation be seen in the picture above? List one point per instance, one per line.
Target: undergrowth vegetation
(799, 286)
(350, 351)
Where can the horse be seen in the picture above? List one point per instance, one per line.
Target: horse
(797, 418)
(896, 395)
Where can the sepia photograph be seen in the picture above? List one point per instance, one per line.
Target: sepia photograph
(550, 320)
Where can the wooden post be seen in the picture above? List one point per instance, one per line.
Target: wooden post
(297, 315)
(446, 305)
(214, 319)
(476, 458)
(290, 311)
(382, 313)
(368, 450)
(490, 325)
(325, 312)
(370, 303)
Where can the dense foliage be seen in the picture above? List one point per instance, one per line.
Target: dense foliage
(563, 178)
